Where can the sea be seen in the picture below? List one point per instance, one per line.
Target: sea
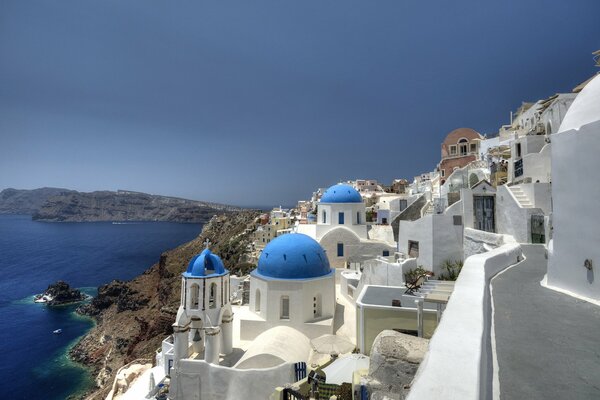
(34, 362)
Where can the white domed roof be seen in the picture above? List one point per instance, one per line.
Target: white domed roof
(585, 108)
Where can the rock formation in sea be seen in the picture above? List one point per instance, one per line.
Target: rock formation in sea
(134, 317)
(60, 293)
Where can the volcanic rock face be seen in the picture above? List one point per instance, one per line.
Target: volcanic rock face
(134, 317)
(124, 206)
(61, 293)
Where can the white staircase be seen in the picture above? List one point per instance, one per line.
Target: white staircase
(521, 197)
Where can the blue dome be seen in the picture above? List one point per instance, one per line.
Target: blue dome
(293, 256)
(341, 193)
(205, 264)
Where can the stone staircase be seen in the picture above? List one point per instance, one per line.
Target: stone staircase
(427, 209)
(521, 197)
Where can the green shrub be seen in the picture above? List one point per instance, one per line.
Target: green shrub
(452, 269)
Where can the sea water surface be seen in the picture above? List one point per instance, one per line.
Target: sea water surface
(86, 255)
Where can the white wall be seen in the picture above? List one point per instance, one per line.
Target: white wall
(301, 294)
(540, 195)
(458, 364)
(351, 219)
(536, 166)
(201, 380)
(576, 214)
(439, 240)
(511, 218)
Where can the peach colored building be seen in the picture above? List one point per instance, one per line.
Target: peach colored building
(460, 147)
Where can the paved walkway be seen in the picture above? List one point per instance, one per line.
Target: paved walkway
(548, 344)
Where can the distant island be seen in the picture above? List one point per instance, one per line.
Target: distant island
(64, 205)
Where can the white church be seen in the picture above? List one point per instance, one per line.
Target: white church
(342, 229)
(293, 286)
(292, 299)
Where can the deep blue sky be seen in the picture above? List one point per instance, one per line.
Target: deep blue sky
(260, 102)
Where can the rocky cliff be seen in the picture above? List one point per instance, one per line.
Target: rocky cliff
(16, 201)
(123, 206)
(134, 317)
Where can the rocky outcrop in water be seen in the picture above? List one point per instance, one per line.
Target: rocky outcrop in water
(60, 293)
(123, 206)
(134, 317)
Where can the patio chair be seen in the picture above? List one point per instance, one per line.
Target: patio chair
(412, 287)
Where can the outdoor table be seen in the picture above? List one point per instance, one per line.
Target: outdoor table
(439, 299)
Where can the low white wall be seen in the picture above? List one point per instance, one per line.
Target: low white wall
(536, 166)
(458, 364)
(201, 380)
(477, 242)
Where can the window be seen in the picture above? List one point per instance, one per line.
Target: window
(341, 218)
(212, 299)
(317, 306)
(257, 301)
(463, 149)
(340, 249)
(386, 253)
(473, 147)
(285, 307)
(195, 296)
(358, 217)
(324, 217)
(518, 149)
(457, 219)
(443, 173)
(453, 150)
(413, 249)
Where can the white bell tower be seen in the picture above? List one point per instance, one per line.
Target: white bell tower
(204, 325)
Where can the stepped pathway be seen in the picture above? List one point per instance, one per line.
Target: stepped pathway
(546, 342)
(521, 197)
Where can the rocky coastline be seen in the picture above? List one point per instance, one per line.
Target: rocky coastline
(62, 205)
(132, 318)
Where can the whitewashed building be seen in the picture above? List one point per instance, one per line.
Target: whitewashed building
(573, 252)
(342, 229)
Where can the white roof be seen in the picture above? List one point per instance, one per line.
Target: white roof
(585, 108)
(272, 348)
(341, 370)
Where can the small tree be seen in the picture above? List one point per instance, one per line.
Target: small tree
(412, 275)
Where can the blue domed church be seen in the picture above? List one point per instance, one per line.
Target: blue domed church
(342, 230)
(293, 285)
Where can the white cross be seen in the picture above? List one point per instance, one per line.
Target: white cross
(207, 243)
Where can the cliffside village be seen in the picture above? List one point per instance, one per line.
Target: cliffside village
(469, 281)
